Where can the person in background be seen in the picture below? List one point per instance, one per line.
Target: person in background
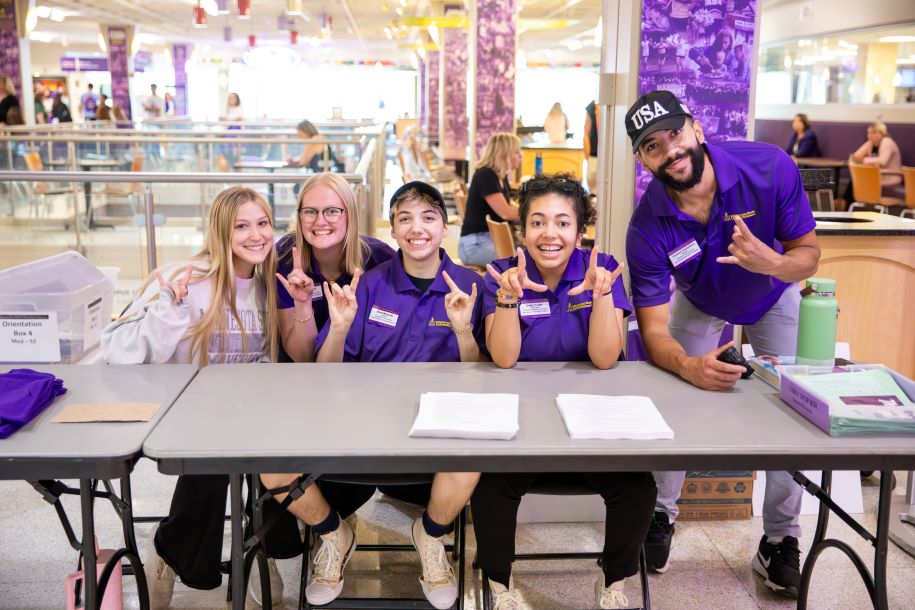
(118, 114)
(153, 105)
(556, 124)
(41, 117)
(592, 118)
(169, 104)
(233, 109)
(741, 64)
(880, 149)
(89, 103)
(60, 112)
(709, 58)
(489, 194)
(14, 117)
(314, 153)
(8, 98)
(103, 112)
(558, 303)
(803, 142)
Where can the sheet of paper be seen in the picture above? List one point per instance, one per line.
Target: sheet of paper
(463, 415)
(106, 411)
(593, 416)
(841, 388)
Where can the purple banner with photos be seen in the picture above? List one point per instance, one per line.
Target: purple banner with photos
(9, 45)
(454, 99)
(117, 60)
(495, 69)
(703, 51)
(179, 60)
(432, 79)
(422, 91)
(70, 63)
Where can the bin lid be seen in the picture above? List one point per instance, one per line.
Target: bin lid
(59, 273)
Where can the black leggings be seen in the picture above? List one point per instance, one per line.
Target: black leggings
(190, 538)
(628, 496)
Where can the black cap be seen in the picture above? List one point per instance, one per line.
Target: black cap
(654, 111)
(425, 189)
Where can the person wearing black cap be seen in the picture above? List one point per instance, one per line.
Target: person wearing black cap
(415, 307)
(730, 222)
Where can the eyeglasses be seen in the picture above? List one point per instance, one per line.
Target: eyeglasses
(332, 215)
(571, 187)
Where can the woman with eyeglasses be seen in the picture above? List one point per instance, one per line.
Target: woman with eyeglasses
(326, 246)
(557, 302)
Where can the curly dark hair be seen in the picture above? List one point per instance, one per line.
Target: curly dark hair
(564, 184)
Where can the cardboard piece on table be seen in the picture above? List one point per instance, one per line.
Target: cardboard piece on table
(106, 411)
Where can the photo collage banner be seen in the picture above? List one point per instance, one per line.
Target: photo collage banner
(432, 88)
(9, 45)
(495, 69)
(117, 62)
(454, 98)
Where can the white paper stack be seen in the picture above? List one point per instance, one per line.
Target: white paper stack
(590, 416)
(463, 415)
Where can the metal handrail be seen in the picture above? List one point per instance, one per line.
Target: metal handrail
(166, 177)
(156, 137)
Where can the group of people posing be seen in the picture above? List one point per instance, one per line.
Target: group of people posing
(729, 223)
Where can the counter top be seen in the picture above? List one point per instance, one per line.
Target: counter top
(863, 224)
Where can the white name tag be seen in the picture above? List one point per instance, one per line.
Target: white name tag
(383, 317)
(317, 294)
(534, 309)
(29, 337)
(683, 253)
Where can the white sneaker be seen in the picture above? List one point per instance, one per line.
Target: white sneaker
(326, 581)
(160, 578)
(276, 583)
(612, 596)
(506, 598)
(438, 582)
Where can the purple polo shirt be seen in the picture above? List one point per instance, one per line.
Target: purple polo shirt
(561, 334)
(755, 180)
(397, 323)
(377, 253)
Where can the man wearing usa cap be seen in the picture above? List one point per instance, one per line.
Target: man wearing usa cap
(731, 223)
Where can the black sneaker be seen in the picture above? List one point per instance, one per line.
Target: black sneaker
(657, 543)
(780, 564)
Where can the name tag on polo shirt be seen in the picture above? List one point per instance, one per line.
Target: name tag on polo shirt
(317, 294)
(684, 253)
(383, 317)
(534, 309)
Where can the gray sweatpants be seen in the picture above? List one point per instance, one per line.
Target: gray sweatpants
(774, 333)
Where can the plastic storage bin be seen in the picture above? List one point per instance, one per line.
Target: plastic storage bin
(69, 285)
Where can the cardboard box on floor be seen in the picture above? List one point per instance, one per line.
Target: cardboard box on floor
(717, 495)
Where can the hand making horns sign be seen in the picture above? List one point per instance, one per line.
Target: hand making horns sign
(299, 286)
(179, 289)
(749, 252)
(515, 280)
(341, 302)
(599, 280)
(459, 304)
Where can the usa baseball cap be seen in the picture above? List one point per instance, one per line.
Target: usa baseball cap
(654, 111)
(424, 188)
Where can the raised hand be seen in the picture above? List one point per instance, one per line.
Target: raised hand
(298, 284)
(179, 288)
(749, 252)
(599, 280)
(341, 302)
(515, 280)
(459, 304)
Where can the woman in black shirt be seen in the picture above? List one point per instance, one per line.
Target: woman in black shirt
(8, 98)
(488, 195)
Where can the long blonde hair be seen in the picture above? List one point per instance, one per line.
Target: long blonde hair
(354, 247)
(215, 262)
(497, 151)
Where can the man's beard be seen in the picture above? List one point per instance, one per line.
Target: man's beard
(697, 161)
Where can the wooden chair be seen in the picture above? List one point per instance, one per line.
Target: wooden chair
(501, 234)
(866, 188)
(460, 201)
(132, 190)
(39, 192)
(908, 177)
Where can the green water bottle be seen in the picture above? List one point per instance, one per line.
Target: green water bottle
(816, 326)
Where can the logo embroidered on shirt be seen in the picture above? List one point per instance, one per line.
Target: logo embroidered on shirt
(749, 214)
(577, 306)
(434, 322)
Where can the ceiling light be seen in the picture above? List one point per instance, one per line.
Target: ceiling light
(897, 39)
(399, 11)
(41, 36)
(599, 32)
(293, 7)
(43, 11)
(272, 58)
(433, 33)
(574, 45)
(102, 44)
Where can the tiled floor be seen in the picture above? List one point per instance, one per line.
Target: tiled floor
(710, 560)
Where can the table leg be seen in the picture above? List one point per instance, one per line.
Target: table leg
(902, 517)
(90, 581)
(237, 507)
(881, 547)
(130, 543)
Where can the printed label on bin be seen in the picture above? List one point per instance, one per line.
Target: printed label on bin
(93, 323)
(29, 337)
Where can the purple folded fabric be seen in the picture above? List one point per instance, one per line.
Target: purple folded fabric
(24, 394)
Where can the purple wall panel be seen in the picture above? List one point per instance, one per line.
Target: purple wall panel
(454, 99)
(117, 60)
(495, 69)
(422, 92)
(704, 52)
(432, 74)
(179, 56)
(9, 47)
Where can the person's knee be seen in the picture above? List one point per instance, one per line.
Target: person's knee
(275, 480)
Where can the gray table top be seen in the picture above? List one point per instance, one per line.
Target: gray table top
(863, 224)
(91, 450)
(354, 418)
